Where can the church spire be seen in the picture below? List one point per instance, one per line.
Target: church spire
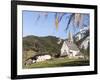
(70, 37)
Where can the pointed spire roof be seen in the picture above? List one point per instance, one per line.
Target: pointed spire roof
(70, 37)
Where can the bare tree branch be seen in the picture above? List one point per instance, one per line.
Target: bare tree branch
(69, 21)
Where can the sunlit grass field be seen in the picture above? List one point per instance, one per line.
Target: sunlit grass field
(58, 62)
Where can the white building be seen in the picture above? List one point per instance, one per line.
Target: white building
(38, 58)
(43, 58)
(69, 48)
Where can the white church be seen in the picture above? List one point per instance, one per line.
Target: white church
(69, 48)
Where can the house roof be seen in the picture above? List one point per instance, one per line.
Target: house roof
(71, 45)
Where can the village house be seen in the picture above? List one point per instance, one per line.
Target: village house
(43, 57)
(37, 58)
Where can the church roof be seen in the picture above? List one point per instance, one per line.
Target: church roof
(72, 46)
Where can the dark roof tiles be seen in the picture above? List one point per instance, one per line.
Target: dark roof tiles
(71, 45)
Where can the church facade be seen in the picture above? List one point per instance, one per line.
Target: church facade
(69, 48)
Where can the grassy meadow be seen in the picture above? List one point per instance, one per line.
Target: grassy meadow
(58, 62)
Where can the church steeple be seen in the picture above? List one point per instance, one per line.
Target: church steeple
(70, 37)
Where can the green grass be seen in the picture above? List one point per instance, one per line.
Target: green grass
(59, 62)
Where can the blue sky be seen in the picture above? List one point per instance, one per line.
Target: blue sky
(46, 26)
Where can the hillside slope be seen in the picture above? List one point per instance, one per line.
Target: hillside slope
(41, 44)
